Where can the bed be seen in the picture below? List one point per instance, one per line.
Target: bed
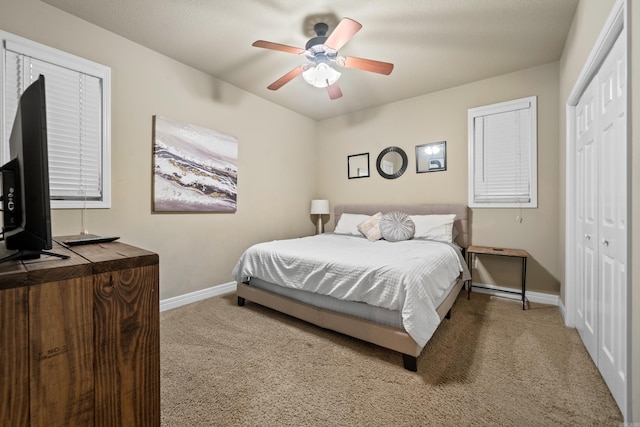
(342, 282)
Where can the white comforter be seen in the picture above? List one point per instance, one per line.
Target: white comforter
(408, 276)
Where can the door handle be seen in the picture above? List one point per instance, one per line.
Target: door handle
(587, 236)
(605, 242)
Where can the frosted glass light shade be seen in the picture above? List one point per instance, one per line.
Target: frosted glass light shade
(320, 207)
(319, 75)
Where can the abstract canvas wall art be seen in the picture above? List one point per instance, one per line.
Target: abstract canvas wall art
(195, 169)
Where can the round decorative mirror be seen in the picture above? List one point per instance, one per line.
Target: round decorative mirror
(392, 162)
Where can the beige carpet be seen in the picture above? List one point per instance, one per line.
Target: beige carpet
(491, 364)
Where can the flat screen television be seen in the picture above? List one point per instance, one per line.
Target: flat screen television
(25, 181)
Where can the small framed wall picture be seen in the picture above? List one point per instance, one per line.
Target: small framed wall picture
(358, 166)
(431, 157)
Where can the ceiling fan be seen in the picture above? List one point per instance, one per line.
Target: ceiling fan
(321, 51)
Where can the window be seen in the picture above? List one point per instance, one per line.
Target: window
(502, 155)
(78, 119)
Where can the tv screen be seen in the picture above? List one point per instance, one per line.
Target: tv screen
(25, 180)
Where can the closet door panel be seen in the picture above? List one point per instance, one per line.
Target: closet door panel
(612, 223)
(586, 221)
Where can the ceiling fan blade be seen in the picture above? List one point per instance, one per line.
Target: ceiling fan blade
(343, 33)
(286, 78)
(277, 46)
(368, 65)
(334, 91)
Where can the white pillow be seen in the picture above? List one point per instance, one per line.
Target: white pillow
(348, 224)
(434, 227)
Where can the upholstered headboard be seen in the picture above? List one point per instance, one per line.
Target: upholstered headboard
(461, 222)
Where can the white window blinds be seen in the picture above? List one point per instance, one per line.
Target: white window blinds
(76, 119)
(502, 154)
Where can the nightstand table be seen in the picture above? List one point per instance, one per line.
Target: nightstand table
(473, 251)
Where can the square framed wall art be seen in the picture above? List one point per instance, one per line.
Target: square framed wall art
(195, 169)
(431, 157)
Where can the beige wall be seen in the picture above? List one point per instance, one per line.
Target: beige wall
(275, 164)
(199, 250)
(442, 116)
(588, 23)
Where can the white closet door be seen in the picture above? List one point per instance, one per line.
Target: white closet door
(612, 220)
(586, 221)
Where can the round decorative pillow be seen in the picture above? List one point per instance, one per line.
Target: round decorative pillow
(396, 226)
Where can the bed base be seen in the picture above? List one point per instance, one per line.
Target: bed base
(385, 336)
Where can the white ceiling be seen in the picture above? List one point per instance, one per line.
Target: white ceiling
(434, 44)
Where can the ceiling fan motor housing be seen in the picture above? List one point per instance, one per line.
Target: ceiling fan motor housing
(321, 35)
(315, 41)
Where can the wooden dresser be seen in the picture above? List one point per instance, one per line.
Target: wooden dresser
(80, 338)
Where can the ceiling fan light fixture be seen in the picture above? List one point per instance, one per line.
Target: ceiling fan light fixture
(322, 50)
(322, 75)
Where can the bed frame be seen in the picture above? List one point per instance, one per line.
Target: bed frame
(396, 339)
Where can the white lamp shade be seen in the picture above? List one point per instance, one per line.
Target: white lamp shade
(320, 75)
(320, 207)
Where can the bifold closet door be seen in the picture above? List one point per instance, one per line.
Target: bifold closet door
(601, 220)
(612, 219)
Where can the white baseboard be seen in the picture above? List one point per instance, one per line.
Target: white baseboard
(180, 300)
(563, 311)
(214, 291)
(499, 291)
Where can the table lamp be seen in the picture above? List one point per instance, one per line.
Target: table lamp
(319, 207)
